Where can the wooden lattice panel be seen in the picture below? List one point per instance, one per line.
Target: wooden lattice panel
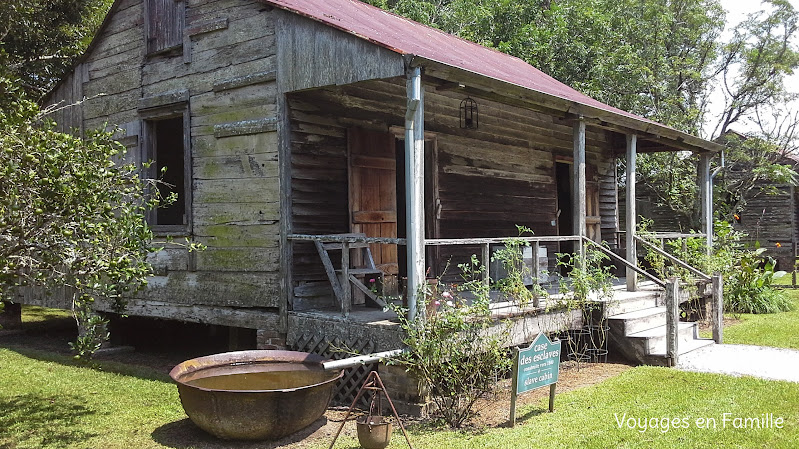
(349, 384)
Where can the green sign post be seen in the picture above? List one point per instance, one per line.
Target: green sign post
(535, 367)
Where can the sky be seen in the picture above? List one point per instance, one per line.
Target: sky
(737, 11)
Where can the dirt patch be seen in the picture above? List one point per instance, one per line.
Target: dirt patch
(707, 326)
(494, 412)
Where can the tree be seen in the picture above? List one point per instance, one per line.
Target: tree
(752, 69)
(40, 39)
(71, 216)
(656, 59)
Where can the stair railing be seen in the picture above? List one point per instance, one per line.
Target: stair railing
(672, 296)
(716, 284)
(673, 259)
(624, 261)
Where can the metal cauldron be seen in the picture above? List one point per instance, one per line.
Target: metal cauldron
(255, 395)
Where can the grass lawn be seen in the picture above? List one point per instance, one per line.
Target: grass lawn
(774, 329)
(46, 401)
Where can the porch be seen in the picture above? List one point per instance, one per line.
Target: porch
(399, 178)
(382, 327)
(363, 161)
(643, 324)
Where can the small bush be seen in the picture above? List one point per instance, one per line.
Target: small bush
(455, 347)
(457, 357)
(768, 300)
(747, 273)
(750, 289)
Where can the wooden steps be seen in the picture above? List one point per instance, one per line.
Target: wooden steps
(638, 329)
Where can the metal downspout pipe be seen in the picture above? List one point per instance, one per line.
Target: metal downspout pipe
(414, 187)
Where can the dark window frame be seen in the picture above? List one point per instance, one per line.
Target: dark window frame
(150, 153)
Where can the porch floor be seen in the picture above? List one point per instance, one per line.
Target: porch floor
(501, 309)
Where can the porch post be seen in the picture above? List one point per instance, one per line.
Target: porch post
(630, 217)
(578, 135)
(414, 187)
(706, 199)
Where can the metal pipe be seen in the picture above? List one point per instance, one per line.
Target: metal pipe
(361, 359)
(414, 188)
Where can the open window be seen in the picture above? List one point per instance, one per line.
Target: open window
(164, 22)
(167, 147)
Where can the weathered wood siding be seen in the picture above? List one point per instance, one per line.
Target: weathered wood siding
(314, 55)
(609, 201)
(770, 219)
(490, 179)
(225, 70)
(65, 101)
(164, 24)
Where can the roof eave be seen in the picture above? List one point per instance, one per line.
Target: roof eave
(538, 100)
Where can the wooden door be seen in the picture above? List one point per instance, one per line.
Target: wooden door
(593, 219)
(373, 191)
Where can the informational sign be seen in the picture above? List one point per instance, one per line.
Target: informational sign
(535, 367)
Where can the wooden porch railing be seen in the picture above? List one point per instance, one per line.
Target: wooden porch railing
(672, 286)
(344, 242)
(485, 253)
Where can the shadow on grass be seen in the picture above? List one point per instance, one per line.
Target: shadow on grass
(184, 434)
(53, 421)
(65, 359)
(527, 415)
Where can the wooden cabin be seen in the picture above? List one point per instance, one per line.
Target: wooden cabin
(298, 128)
(770, 219)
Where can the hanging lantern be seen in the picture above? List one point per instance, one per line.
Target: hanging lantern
(469, 114)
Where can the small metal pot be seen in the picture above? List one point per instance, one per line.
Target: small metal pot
(374, 432)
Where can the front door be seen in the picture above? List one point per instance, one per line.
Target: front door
(373, 191)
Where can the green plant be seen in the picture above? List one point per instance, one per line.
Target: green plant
(588, 288)
(511, 256)
(750, 289)
(588, 275)
(374, 285)
(72, 217)
(457, 349)
(747, 273)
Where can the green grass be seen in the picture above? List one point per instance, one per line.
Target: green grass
(586, 418)
(775, 329)
(36, 314)
(46, 401)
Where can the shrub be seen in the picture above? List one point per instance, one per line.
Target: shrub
(72, 215)
(748, 274)
(750, 290)
(457, 349)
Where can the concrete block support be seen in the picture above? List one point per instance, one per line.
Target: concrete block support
(270, 339)
(407, 393)
(11, 316)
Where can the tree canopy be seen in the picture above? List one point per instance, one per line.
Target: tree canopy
(661, 60)
(71, 211)
(71, 215)
(40, 39)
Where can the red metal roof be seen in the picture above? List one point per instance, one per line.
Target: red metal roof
(405, 36)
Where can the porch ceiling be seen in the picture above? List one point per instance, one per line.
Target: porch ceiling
(484, 71)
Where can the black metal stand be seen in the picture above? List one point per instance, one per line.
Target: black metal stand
(374, 384)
